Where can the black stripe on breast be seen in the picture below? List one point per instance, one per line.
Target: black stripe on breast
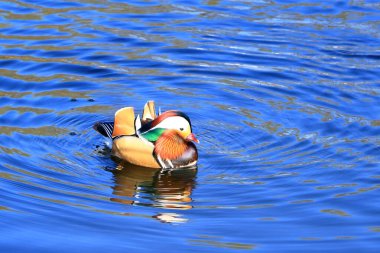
(188, 157)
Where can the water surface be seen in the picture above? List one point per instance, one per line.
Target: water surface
(283, 95)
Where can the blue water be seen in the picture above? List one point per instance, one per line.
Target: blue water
(283, 95)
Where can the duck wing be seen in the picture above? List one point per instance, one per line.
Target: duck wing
(124, 124)
(149, 112)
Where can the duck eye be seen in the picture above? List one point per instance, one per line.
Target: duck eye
(181, 129)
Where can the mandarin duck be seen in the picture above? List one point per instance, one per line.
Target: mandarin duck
(156, 141)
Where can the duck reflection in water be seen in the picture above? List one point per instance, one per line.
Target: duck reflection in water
(169, 189)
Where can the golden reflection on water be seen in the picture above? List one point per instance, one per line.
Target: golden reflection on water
(11, 151)
(41, 131)
(24, 109)
(375, 229)
(336, 212)
(4, 208)
(358, 191)
(216, 241)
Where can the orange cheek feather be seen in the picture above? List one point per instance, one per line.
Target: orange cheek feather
(171, 145)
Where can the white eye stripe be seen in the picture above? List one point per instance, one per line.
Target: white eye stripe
(175, 122)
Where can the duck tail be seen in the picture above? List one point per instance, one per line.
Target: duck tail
(104, 128)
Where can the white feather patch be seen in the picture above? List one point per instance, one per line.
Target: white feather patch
(137, 123)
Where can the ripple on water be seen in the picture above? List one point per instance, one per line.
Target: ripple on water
(283, 97)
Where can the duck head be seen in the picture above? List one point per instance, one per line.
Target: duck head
(174, 122)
